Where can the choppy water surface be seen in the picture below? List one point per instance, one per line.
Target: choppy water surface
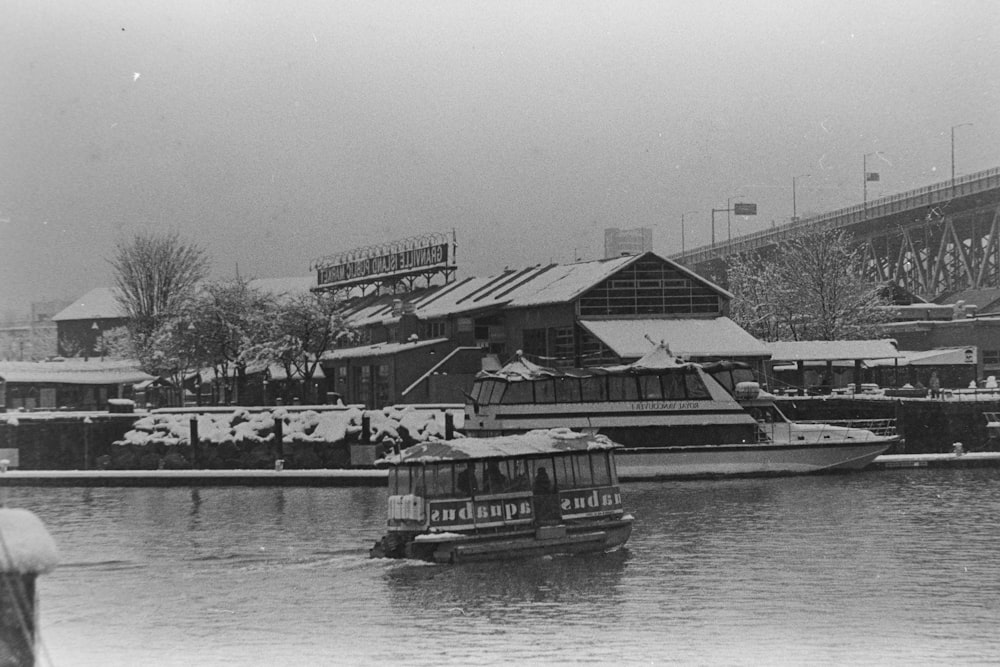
(895, 567)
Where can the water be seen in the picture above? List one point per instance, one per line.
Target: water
(892, 567)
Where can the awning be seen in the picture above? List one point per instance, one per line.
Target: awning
(72, 372)
(379, 349)
(708, 337)
(832, 350)
(949, 356)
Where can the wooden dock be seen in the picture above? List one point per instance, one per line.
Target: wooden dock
(966, 460)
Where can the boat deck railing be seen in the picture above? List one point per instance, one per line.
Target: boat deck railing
(880, 427)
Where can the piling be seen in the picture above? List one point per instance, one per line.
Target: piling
(26, 551)
(366, 428)
(195, 438)
(449, 426)
(279, 443)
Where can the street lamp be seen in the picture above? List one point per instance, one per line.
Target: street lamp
(794, 210)
(866, 176)
(729, 222)
(682, 229)
(953, 128)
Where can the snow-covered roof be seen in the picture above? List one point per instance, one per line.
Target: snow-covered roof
(380, 349)
(513, 288)
(686, 337)
(98, 303)
(942, 356)
(832, 350)
(91, 372)
(284, 286)
(539, 442)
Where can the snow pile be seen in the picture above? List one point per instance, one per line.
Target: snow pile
(401, 425)
(25, 545)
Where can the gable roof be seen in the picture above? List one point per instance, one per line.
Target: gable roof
(513, 288)
(97, 304)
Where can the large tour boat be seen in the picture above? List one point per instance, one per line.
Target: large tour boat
(539, 493)
(674, 419)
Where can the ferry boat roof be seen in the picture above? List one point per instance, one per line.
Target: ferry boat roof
(533, 443)
(657, 359)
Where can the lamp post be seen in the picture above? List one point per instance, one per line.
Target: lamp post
(682, 229)
(729, 221)
(795, 215)
(953, 128)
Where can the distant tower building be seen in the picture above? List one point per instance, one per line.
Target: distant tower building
(618, 242)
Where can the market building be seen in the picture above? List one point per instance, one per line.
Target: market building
(425, 345)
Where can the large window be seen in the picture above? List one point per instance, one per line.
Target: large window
(649, 287)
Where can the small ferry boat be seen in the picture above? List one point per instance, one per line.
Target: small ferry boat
(674, 419)
(539, 493)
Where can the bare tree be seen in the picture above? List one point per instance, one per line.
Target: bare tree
(154, 275)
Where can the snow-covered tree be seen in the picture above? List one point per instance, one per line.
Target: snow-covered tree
(810, 288)
(155, 274)
(232, 317)
(303, 327)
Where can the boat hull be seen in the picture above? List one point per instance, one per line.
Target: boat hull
(747, 460)
(560, 539)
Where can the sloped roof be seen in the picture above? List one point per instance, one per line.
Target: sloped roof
(985, 300)
(513, 288)
(73, 372)
(686, 337)
(99, 303)
(379, 349)
(832, 350)
(941, 356)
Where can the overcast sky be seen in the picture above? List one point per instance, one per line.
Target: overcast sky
(274, 132)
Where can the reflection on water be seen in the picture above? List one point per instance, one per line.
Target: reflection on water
(890, 567)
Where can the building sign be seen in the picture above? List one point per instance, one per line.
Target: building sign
(400, 258)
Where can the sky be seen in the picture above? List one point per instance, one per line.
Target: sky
(273, 133)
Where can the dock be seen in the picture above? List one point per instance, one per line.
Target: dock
(966, 460)
(187, 478)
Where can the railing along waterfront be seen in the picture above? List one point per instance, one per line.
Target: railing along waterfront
(877, 208)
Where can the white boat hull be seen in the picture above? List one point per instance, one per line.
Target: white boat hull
(746, 460)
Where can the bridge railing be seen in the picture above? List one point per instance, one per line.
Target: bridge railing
(876, 208)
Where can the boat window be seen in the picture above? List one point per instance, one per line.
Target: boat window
(599, 465)
(477, 391)
(564, 478)
(622, 388)
(498, 391)
(545, 391)
(518, 480)
(695, 386)
(439, 480)
(399, 481)
(649, 387)
(593, 389)
(673, 386)
(519, 392)
(581, 470)
(489, 392)
(567, 390)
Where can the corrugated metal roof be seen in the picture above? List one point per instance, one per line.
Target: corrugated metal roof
(73, 372)
(832, 350)
(686, 337)
(98, 303)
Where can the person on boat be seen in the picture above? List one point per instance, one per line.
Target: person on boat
(935, 385)
(494, 481)
(543, 484)
(546, 501)
(467, 480)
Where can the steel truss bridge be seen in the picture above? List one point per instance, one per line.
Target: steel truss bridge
(933, 241)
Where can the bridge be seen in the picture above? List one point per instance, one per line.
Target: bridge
(933, 241)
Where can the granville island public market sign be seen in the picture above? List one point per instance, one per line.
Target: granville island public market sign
(386, 261)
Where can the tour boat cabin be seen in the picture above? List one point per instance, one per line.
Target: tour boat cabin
(537, 493)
